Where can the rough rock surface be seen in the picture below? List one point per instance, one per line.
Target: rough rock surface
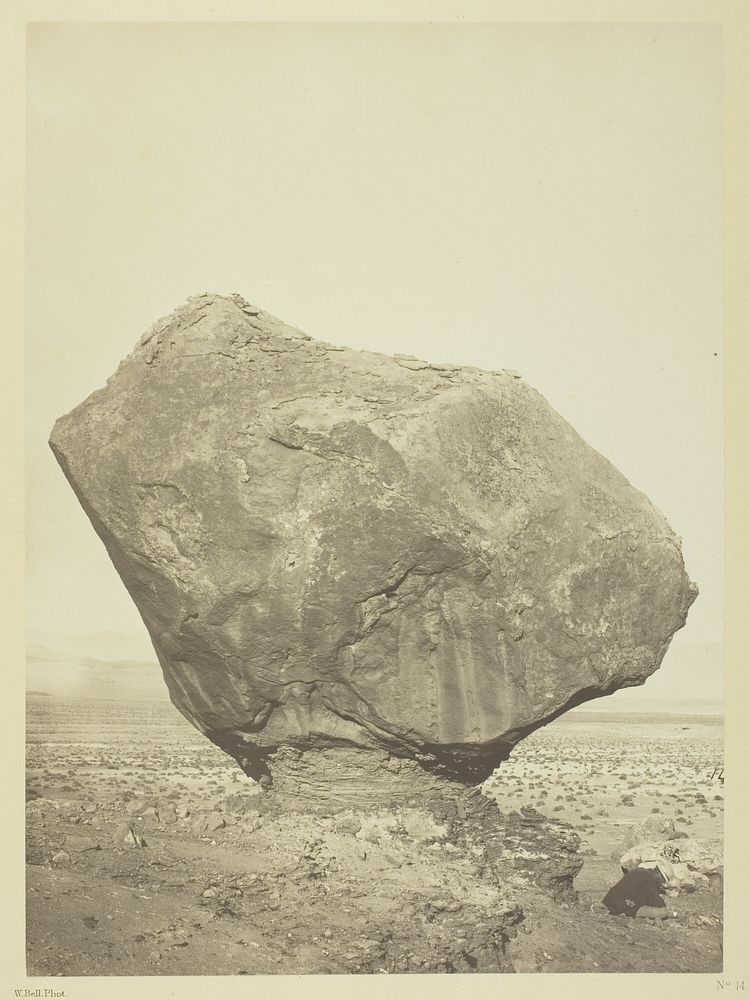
(650, 829)
(337, 549)
(690, 855)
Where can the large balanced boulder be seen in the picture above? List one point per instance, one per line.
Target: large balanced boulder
(334, 549)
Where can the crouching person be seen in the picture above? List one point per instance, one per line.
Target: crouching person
(638, 894)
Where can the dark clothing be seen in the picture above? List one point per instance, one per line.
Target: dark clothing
(639, 887)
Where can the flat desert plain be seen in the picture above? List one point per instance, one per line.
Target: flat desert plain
(147, 856)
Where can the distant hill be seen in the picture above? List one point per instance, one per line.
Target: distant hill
(104, 646)
(57, 673)
(685, 721)
(638, 704)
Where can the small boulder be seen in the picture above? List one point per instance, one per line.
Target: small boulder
(199, 825)
(421, 826)
(207, 823)
(214, 821)
(699, 856)
(80, 844)
(251, 822)
(133, 839)
(687, 864)
(660, 828)
(378, 827)
(38, 809)
(167, 814)
(126, 836)
(348, 824)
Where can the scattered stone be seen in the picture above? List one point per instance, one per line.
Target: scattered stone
(81, 844)
(447, 905)
(126, 836)
(378, 827)
(686, 863)
(167, 814)
(37, 809)
(660, 828)
(240, 803)
(60, 858)
(421, 826)
(348, 824)
(199, 825)
(250, 823)
(716, 880)
(214, 821)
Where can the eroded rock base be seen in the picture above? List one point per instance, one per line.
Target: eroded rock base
(431, 886)
(380, 797)
(221, 882)
(330, 780)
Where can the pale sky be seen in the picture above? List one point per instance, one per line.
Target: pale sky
(545, 198)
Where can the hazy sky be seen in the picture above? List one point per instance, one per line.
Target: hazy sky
(544, 198)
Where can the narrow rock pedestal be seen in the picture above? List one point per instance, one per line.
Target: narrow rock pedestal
(380, 793)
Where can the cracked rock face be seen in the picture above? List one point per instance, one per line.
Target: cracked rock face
(338, 549)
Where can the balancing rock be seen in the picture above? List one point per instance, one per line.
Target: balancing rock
(335, 550)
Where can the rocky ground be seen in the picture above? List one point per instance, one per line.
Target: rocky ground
(149, 853)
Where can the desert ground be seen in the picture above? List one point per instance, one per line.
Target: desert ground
(147, 855)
